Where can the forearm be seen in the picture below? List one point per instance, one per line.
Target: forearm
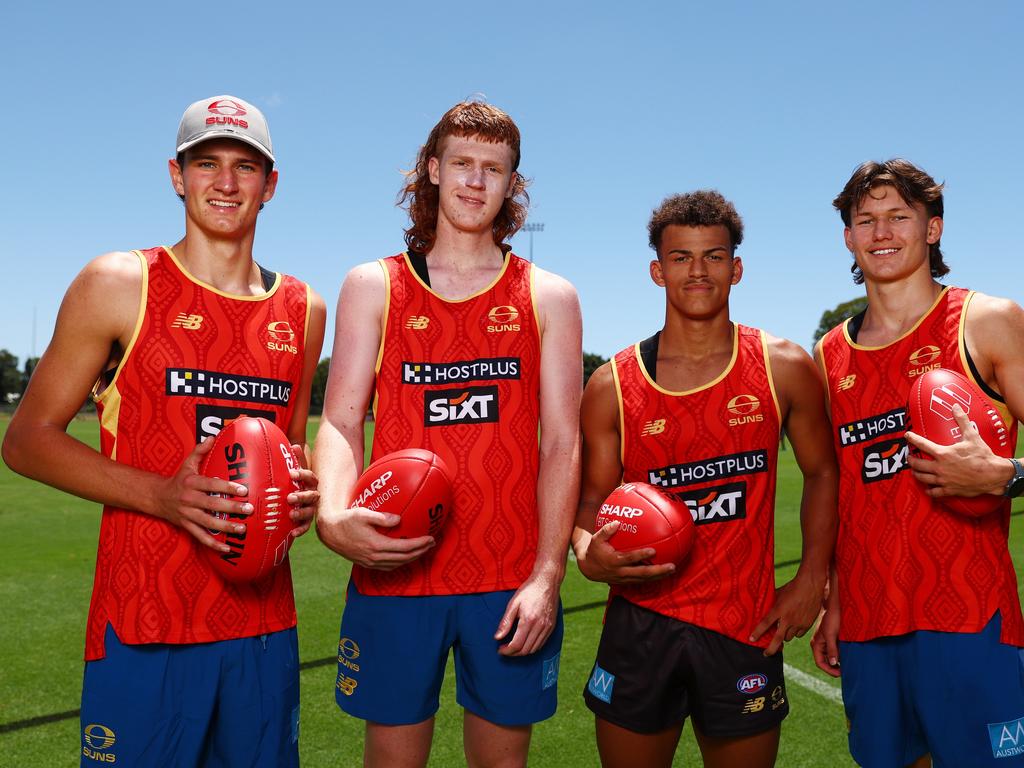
(337, 461)
(557, 494)
(48, 454)
(819, 523)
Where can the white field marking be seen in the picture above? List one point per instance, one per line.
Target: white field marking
(811, 683)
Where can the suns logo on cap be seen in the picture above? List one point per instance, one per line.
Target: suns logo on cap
(226, 107)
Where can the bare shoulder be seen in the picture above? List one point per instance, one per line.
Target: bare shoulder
(601, 382)
(992, 314)
(364, 285)
(117, 270)
(553, 288)
(785, 353)
(113, 281)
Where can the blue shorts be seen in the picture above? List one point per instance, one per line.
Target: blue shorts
(227, 703)
(393, 652)
(958, 696)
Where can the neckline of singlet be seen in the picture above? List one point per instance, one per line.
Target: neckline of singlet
(419, 263)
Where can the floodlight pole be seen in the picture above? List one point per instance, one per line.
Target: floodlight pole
(531, 228)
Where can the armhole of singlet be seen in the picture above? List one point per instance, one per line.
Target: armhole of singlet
(622, 411)
(771, 378)
(108, 378)
(965, 354)
(648, 349)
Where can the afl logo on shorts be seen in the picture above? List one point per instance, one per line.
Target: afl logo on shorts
(751, 683)
(745, 410)
(502, 318)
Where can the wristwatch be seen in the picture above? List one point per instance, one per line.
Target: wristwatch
(1015, 487)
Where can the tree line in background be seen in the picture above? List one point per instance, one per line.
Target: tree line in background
(13, 379)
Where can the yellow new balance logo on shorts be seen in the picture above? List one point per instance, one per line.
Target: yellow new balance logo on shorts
(188, 322)
(753, 705)
(653, 427)
(346, 685)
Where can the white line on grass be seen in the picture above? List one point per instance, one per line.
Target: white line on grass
(820, 687)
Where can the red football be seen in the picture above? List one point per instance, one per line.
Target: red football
(257, 454)
(415, 484)
(648, 518)
(930, 414)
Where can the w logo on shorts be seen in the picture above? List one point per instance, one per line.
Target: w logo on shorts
(550, 671)
(601, 684)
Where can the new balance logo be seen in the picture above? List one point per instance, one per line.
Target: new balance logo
(188, 322)
(847, 382)
(753, 705)
(653, 427)
(417, 322)
(601, 684)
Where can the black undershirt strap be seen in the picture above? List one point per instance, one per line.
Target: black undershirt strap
(649, 355)
(267, 277)
(853, 329)
(419, 265)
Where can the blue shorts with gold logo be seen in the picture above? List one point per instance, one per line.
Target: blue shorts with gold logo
(227, 703)
(393, 652)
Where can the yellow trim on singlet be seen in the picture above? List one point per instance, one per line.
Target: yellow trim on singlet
(110, 397)
(961, 339)
(385, 315)
(192, 278)
(855, 345)
(533, 304)
(771, 377)
(481, 292)
(725, 372)
(819, 353)
(622, 411)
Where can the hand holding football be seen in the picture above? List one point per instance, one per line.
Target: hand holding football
(414, 484)
(648, 518)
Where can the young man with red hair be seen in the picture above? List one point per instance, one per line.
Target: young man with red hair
(923, 612)
(182, 667)
(456, 316)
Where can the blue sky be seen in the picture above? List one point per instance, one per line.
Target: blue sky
(619, 105)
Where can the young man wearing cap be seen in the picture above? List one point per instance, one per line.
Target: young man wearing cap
(697, 410)
(182, 667)
(925, 618)
(465, 349)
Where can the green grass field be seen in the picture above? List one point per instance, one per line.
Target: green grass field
(46, 580)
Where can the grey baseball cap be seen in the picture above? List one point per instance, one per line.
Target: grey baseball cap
(224, 117)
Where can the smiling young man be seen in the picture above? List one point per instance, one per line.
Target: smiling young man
(925, 616)
(697, 410)
(182, 667)
(457, 316)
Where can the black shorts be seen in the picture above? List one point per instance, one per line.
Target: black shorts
(653, 672)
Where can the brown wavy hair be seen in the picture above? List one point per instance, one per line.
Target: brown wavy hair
(468, 119)
(910, 182)
(703, 208)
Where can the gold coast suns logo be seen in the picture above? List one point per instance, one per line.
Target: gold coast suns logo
(653, 427)
(417, 322)
(502, 318)
(188, 322)
(98, 739)
(281, 337)
(923, 360)
(745, 409)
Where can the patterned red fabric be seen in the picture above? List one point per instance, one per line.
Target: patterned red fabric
(461, 378)
(716, 448)
(904, 561)
(199, 357)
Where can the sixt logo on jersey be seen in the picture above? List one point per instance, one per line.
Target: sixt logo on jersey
(923, 360)
(745, 409)
(471, 405)
(462, 371)
(502, 318)
(191, 382)
(884, 460)
(716, 504)
(211, 419)
(872, 427)
(717, 468)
